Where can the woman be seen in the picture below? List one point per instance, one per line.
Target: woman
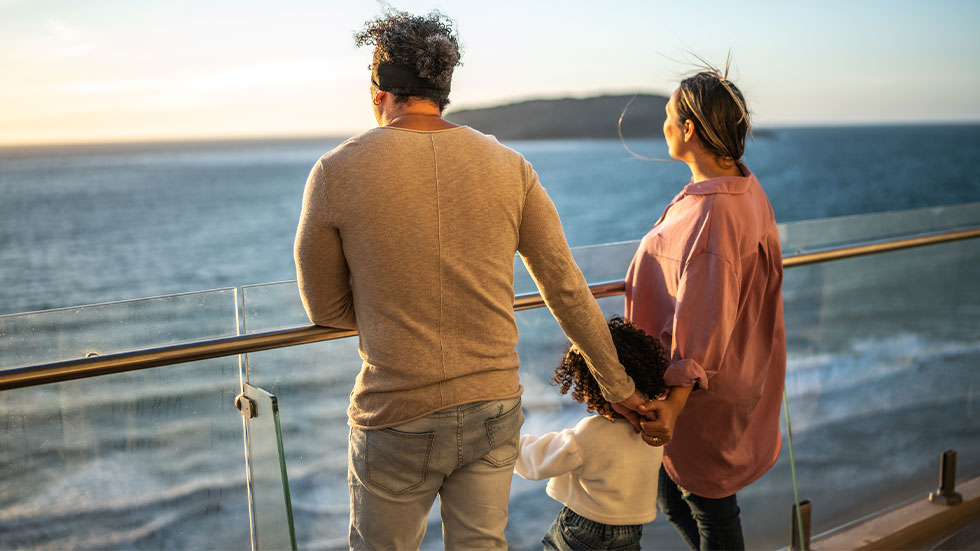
(707, 280)
(408, 234)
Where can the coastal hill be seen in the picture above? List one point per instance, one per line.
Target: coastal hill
(565, 118)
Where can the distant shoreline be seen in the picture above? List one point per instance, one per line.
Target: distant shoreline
(594, 117)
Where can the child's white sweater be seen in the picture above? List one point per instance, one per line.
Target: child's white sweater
(600, 469)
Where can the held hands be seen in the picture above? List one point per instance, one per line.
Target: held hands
(659, 416)
(628, 408)
(654, 419)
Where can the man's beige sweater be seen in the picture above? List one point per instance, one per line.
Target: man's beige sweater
(409, 237)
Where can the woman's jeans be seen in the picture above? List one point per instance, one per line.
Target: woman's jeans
(573, 532)
(704, 523)
(463, 454)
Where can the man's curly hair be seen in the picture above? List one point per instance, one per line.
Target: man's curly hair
(428, 44)
(642, 355)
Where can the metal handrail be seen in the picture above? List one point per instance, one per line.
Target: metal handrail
(146, 358)
(885, 246)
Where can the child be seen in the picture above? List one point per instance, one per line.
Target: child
(601, 470)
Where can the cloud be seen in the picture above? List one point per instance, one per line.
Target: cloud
(184, 90)
(122, 86)
(61, 40)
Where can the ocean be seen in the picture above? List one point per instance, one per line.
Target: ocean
(88, 224)
(881, 349)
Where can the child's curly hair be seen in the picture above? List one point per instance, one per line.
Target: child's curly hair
(642, 355)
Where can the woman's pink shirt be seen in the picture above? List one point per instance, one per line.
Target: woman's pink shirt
(707, 281)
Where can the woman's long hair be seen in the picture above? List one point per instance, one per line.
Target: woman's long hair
(717, 109)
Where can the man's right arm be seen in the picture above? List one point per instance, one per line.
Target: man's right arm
(321, 268)
(548, 259)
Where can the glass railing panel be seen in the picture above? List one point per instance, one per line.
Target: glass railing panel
(809, 235)
(99, 329)
(271, 306)
(147, 459)
(312, 383)
(272, 515)
(882, 377)
(599, 263)
(143, 460)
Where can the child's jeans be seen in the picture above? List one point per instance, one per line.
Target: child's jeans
(573, 532)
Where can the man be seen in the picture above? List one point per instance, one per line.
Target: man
(407, 234)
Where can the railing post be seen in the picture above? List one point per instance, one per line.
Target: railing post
(946, 494)
(796, 543)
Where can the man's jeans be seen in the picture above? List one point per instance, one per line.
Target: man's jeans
(573, 532)
(463, 454)
(704, 523)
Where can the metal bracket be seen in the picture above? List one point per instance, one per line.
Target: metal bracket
(947, 494)
(800, 536)
(247, 406)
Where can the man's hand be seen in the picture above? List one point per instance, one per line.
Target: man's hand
(660, 415)
(628, 408)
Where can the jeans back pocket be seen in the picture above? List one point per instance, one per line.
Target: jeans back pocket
(397, 461)
(504, 433)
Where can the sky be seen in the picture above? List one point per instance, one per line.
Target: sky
(115, 70)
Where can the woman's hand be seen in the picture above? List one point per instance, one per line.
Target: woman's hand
(660, 415)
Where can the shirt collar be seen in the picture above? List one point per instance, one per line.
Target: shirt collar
(731, 185)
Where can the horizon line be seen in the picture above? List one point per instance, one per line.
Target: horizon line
(341, 135)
